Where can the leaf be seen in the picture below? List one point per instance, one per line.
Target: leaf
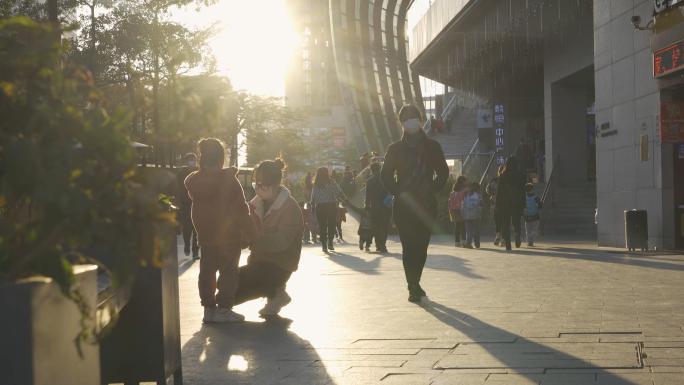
(8, 88)
(75, 173)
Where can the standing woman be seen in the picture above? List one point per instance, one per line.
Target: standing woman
(414, 170)
(491, 190)
(324, 197)
(510, 200)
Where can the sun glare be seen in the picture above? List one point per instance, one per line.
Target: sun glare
(254, 43)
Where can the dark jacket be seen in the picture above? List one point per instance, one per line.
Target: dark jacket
(219, 211)
(375, 193)
(182, 198)
(418, 169)
(510, 194)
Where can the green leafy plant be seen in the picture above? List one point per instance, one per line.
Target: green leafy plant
(70, 191)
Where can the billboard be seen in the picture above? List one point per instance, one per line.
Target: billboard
(672, 121)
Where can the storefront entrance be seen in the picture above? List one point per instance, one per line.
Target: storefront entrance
(679, 194)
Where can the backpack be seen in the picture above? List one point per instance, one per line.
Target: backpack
(455, 200)
(531, 206)
(471, 207)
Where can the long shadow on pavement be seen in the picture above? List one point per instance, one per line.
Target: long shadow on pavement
(523, 354)
(640, 260)
(356, 263)
(251, 353)
(434, 262)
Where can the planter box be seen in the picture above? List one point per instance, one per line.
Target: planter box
(38, 329)
(144, 344)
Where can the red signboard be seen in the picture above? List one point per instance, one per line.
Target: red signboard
(672, 121)
(668, 60)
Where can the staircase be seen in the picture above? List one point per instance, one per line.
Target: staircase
(569, 212)
(458, 142)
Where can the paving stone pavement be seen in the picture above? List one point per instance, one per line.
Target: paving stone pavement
(550, 315)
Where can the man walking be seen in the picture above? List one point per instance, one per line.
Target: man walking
(378, 203)
(413, 171)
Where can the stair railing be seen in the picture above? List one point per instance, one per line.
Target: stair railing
(549, 181)
(447, 109)
(486, 170)
(468, 159)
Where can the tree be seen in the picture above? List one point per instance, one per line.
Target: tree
(136, 54)
(69, 187)
(266, 125)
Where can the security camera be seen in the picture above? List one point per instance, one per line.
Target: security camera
(636, 22)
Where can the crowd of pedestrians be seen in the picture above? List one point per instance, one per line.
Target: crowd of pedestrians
(511, 201)
(217, 219)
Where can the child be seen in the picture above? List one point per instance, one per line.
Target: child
(307, 225)
(471, 210)
(532, 206)
(455, 200)
(311, 223)
(365, 231)
(341, 217)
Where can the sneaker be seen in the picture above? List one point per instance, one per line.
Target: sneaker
(224, 314)
(325, 249)
(382, 250)
(496, 242)
(273, 305)
(331, 246)
(209, 315)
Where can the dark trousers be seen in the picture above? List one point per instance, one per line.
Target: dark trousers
(326, 213)
(472, 227)
(459, 231)
(506, 219)
(259, 279)
(189, 233)
(497, 220)
(414, 223)
(221, 259)
(379, 224)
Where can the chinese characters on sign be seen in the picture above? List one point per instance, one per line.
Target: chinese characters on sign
(662, 5)
(668, 60)
(671, 121)
(499, 131)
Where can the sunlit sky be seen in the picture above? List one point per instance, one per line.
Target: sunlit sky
(254, 42)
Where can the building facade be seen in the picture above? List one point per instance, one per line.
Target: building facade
(575, 82)
(352, 71)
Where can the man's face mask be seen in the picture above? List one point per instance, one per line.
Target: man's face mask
(411, 126)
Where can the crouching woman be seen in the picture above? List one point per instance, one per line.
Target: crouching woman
(276, 249)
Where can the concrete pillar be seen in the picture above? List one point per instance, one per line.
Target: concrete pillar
(569, 131)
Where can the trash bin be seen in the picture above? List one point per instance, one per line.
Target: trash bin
(636, 230)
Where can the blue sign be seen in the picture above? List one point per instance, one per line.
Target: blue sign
(499, 131)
